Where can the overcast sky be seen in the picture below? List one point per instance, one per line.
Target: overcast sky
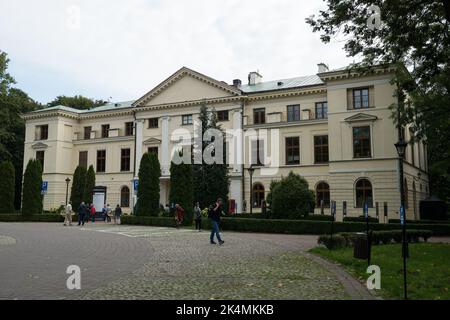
(122, 49)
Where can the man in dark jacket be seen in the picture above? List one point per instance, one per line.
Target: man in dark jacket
(214, 215)
(81, 214)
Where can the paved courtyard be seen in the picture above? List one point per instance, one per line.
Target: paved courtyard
(137, 262)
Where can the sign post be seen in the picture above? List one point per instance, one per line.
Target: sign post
(385, 207)
(369, 240)
(333, 216)
(44, 189)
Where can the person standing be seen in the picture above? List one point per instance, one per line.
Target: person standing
(68, 212)
(117, 214)
(214, 214)
(93, 210)
(179, 215)
(198, 217)
(108, 213)
(82, 211)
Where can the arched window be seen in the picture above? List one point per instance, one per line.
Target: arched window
(364, 194)
(323, 193)
(125, 197)
(258, 195)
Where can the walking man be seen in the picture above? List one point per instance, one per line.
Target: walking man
(179, 215)
(214, 214)
(198, 217)
(117, 214)
(82, 211)
(68, 211)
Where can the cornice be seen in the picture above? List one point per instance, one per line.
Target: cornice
(284, 94)
(354, 73)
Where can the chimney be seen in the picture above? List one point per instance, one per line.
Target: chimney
(322, 67)
(254, 78)
(237, 83)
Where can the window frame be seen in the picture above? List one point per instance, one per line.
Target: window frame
(321, 147)
(221, 117)
(153, 123)
(364, 190)
(187, 119)
(125, 160)
(149, 152)
(322, 191)
(293, 114)
(259, 116)
(105, 129)
(79, 158)
(259, 192)
(129, 126)
(87, 132)
(259, 162)
(41, 159)
(101, 161)
(369, 139)
(289, 150)
(360, 98)
(323, 106)
(122, 197)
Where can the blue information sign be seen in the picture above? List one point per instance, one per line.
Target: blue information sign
(402, 215)
(135, 184)
(366, 210)
(333, 208)
(44, 187)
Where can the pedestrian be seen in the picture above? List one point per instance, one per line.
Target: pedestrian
(214, 214)
(68, 214)
(198, 217)
(82, 210)
(93, 210)
(179, 215)
(88, 212)
(117, 214)
(108, 213)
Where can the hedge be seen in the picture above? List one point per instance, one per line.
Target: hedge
(313, 217)
(420, 221)
(33, 218)
(360, 219)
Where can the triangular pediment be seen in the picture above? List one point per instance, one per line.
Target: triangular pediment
(152, 141)
(361, 117)
(39, 145)
(186, 85)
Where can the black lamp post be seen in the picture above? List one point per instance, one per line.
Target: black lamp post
(67, 188)
(401, 147)
(251, 170)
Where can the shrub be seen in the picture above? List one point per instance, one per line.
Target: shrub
(32, 181)
(89, 186)
(78, 187)
(360, 219)
(34, 218)
(291, 198)
(148, 187)
(332, 242)
(181, 189)
(7, 187)
(419, 221)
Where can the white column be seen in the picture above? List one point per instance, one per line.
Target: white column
(139, 126)
(165, 154)
(238, 147)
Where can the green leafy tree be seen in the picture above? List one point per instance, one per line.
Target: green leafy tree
(181, 190)
(90, 185)
(76, 102)
(32, 181)
(411, 33)
(78, 186)
(7, 187)
(148, 187)
(291, 198)
(211, 181)
(273, 185)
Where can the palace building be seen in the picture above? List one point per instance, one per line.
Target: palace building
(334, 128)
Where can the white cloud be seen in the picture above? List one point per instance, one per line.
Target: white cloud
(124, 48)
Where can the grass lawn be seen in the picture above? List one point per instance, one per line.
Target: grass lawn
(428, 269)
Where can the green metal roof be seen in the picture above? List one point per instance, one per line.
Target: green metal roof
(281, 84)
(107, 107)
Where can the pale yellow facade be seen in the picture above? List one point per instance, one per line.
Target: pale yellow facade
(179, 98)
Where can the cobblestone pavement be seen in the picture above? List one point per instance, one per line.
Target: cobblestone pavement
(136, 262)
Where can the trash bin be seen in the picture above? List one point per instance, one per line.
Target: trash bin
(360, 249)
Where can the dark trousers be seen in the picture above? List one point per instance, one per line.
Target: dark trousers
(81, 219)
(198, 224)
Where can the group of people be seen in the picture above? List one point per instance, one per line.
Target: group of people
(214, 213)
(88, 211)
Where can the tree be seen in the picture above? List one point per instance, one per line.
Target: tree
(76, 102)
(291, 198)
(32, 181)
(211, 181)
(148, 187)
(413, 33)
(13, 103)
(181, 189)
(7, 187)
(90, 185)
(78, 186)
(273, 185)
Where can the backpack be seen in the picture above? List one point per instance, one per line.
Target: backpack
(210, 212)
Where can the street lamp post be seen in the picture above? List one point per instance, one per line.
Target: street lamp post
(401, 146)
(67, 188)
(251, 170)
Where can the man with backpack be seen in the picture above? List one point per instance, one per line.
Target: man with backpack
(214, 213)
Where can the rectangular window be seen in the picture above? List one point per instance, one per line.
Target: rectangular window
(293, 113)
(292, 150)
(153, 150)
(258, 152)
(42, 132)
(222, 115)
(105, 130)
(361, 142)
(152, 123)
(321, 149)
(101, 160)
(186, 119)
(82, 158)
(129, 128)
(321, 110)
(361, 98)
(259, 116)
(125, 160)
(87, 132)
(40, 155)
